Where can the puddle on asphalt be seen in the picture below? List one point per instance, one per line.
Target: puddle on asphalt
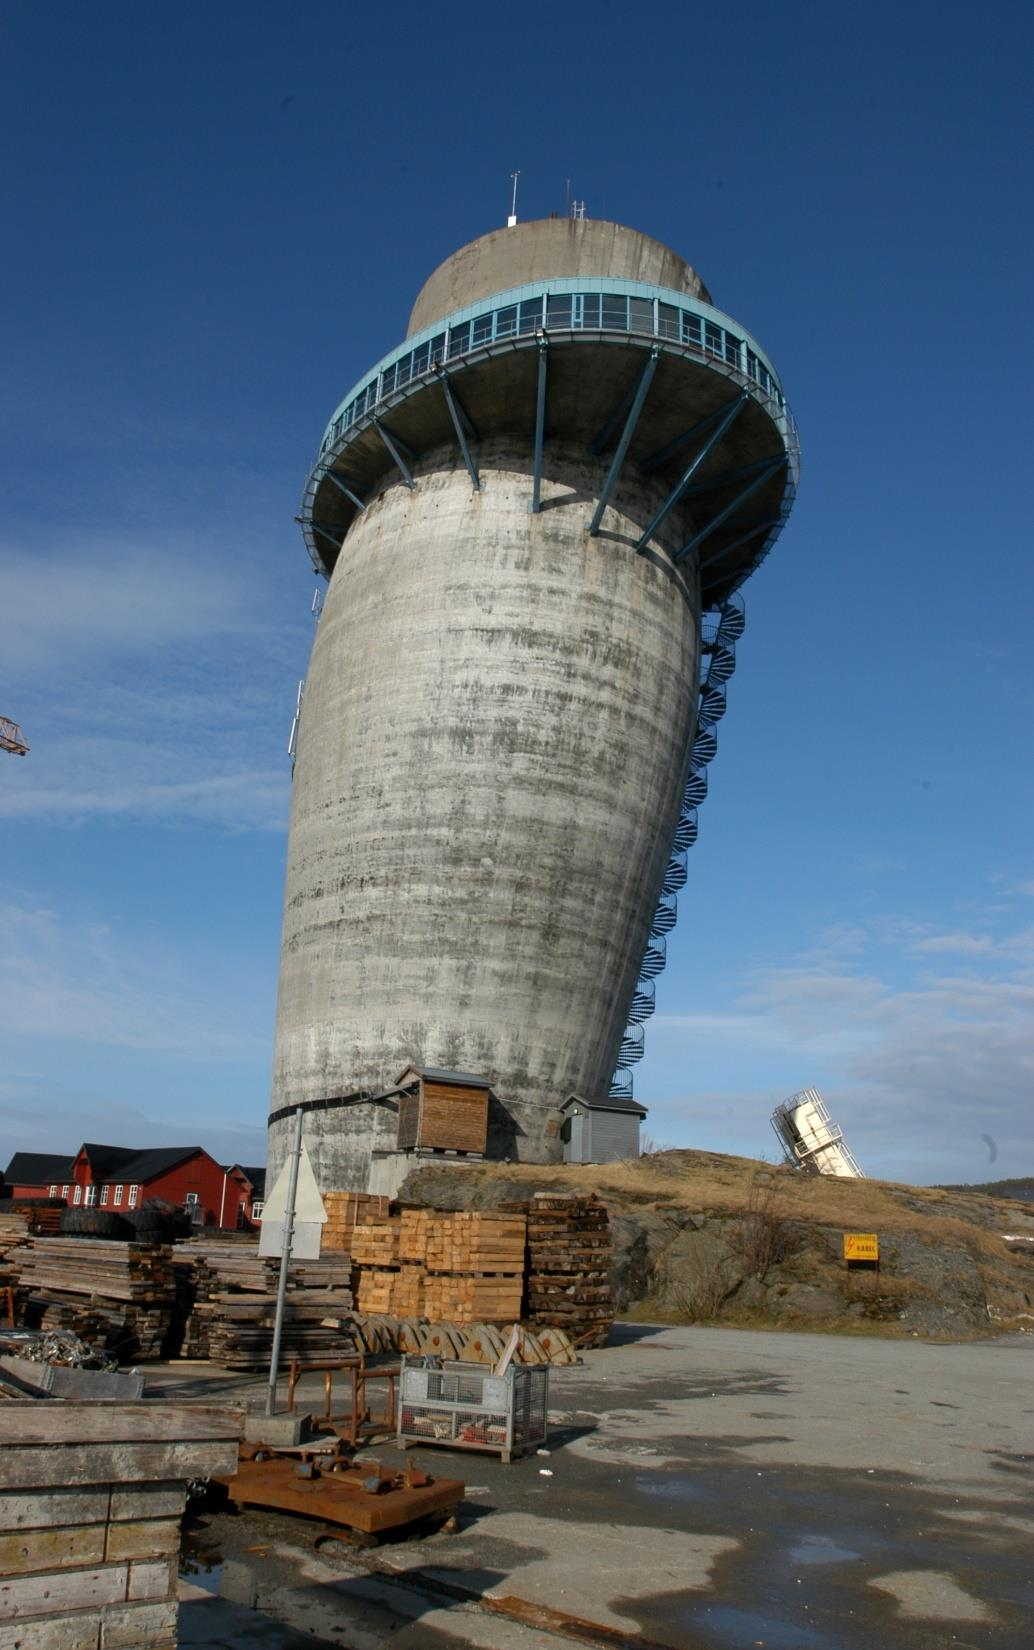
(742, 1627)
(819, 1549)
(201, 1565)
(672, 1486)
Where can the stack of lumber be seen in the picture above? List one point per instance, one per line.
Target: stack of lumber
(569, 1265)
(19, 1219)
(476, 1242)
(473, 1299)
(93, 1497)
(118, 1295)
(344, 1210)
(375, 1240)
(231, 1290)
(466, 1268)
(475, 1267)
(414, 1230)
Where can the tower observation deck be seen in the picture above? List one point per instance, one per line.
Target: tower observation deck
(535, 515)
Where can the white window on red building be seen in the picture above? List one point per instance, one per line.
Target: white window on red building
(104, 1195)
(78, 1195)
(53, 1191)
(256, 1209)
(65, 1191)
(134, 1196)
(91, 1196)
(118, 1194)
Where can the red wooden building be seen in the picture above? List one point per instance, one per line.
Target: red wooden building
(121, 1178)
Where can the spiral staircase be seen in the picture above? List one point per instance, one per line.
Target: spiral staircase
(721, 628)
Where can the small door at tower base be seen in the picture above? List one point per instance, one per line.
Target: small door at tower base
(309, 1214)
(600, 1131)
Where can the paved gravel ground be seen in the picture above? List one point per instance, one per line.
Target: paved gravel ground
(707, 1489)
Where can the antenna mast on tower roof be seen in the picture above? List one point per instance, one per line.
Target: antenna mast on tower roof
(511, 221)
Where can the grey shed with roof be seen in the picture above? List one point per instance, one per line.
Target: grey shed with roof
(600, 1131)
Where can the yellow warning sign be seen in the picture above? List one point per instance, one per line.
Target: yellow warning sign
(861, 1246)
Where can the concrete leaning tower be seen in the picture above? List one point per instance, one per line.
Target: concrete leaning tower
(534, 515)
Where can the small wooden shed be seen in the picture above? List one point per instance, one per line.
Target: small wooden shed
(443, 1111)
(600, 1131)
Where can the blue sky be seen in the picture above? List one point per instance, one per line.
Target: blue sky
(215, 223)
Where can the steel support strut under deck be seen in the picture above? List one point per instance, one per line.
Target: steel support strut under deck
(744, 538)
(461, 424)
(645, 380)
(340, 485)
(395, 448)
(540, 424)
(725, 417)
(766, 470)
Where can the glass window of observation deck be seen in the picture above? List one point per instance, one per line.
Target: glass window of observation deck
(506, 321)
(558, 310)
(590, 309)
(640, 314)
(668, 322)
(531, 315)
(481, 329)
(459, 339)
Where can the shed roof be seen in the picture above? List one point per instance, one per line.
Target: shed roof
(37, 1168)
(462, 1079)
(607, 1103)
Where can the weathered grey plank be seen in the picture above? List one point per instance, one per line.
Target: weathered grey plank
(143, 1538)
(46, 1509)
(56, 1549)
(152, 1581)
(26, 1468)
(77, 1631)
(138, 1626)
(58, 1422)
(88, 1384)
(72, 1590)
(162, 1500)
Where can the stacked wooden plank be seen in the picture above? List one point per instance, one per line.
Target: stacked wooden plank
(569, 1254)
(375, 1240)
(232, 1292)
(466, 1267)
(116, 1294)
(476, 1242)
(414, 1230)
(375, 1290)
(92, 1499)
(475, 1267)
(344, 1210)
(19, 1219)
(473, 1299)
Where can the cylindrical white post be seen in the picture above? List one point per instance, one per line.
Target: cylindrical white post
(285, 1261)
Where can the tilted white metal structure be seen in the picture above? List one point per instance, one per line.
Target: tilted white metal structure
(810, 1140)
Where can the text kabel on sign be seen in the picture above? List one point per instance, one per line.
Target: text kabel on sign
(861, 1246)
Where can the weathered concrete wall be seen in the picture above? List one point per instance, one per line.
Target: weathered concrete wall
(549, 249)
(490, 764)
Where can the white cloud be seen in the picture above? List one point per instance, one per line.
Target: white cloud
(154, 681)
(85, 982)
(964, 944)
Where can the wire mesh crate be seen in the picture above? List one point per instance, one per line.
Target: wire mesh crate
(465, 1406)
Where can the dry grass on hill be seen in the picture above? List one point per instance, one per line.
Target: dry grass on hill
(713, 1183)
